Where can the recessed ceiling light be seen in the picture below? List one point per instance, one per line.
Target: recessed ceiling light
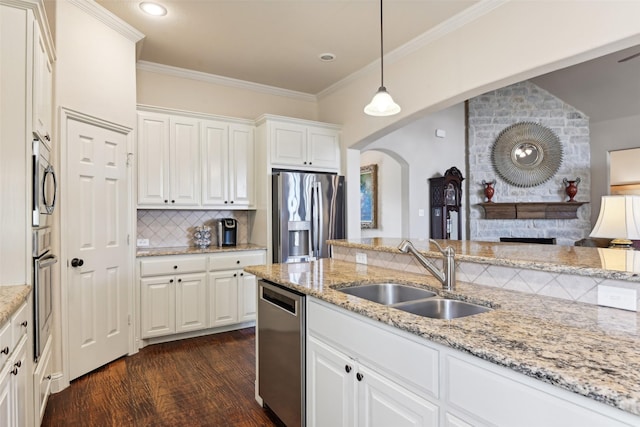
(327, 57)
(154, 9)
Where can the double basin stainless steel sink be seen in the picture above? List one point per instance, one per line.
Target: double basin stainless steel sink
(415, 300)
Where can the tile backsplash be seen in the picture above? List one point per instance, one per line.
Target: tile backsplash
(175, 228)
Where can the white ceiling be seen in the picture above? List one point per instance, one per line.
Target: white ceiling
(277, 43)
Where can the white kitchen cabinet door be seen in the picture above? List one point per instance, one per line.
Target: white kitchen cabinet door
(247, 296)
(331, 386)
(158, 306)
(324, 148)
(191, 302)
(184, 169)
(215, 146)
(21, 392)
(42, 382)
(223, 298)
(153, 159)
(6, 398)
(383, 403)
(288, 145)
(241, 165)
(42, 85)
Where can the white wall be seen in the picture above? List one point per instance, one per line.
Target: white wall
(426, 156)
(501, 47)
(191, 94)
(606, 136)
(390, 212)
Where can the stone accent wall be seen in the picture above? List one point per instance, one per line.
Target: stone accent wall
(175, 228)
(492, 112)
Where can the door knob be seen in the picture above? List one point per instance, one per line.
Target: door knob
(77, 262)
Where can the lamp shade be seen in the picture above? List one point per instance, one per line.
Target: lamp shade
(382, 104)
(619, 218)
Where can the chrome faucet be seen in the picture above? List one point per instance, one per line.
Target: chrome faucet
(447, 276)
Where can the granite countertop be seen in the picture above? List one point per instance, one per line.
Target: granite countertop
(585, 261)
(190, 250)
(590, 350)
(11, 298)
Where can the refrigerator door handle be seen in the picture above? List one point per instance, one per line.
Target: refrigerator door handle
(319, 221)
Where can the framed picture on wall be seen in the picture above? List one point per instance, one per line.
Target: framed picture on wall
(369, 196)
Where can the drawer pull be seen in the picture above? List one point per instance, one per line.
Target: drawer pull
(347, 368)
(24, 324)
(359, 376)
(5, 350)
(18, 364)
(14, 371)
(48, 377)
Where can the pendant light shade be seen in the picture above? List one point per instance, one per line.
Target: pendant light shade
(382, 104)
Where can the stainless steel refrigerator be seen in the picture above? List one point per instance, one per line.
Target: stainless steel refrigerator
(308, 209)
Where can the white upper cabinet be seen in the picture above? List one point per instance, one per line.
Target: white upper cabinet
(227, 165)
(42, 85)
(304, 146)
(168, 161)
(189, 162)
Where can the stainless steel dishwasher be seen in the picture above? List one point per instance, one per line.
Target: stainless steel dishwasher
(281, 352)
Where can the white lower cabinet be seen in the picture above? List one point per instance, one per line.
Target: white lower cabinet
(15, 388)
(365, 373)
(173, 304)
(345, 392)
(210, 291)
(42, 381)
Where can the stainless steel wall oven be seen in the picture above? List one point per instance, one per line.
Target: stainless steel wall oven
(43, 203)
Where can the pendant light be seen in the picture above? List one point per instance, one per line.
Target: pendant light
(382, 104)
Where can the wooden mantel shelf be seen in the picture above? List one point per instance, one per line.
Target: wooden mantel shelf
(531, 210)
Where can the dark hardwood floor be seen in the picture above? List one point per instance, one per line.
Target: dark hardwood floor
(205, 381)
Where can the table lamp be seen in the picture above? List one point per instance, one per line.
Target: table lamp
(619, 219)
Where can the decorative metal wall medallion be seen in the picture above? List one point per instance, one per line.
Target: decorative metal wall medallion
(526, 154)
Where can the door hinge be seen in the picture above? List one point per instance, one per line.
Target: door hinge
(129, 159)
(128, 239)
(129, 319)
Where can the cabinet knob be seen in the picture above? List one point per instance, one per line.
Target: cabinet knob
(175, 267)
(47, 137)
(231, 202)
(225, 202)
(359, 376)
(5, 350)
(14, 371)
(242, 274)
(179, 280)
(310, 163)
(235, 274)
(48, 377)
(24, 324)
(170, 280)
(77, 262)
(347, 368)
(18, 364)
(166, 201)
(173, 201)
(238, 262)
(305, 163)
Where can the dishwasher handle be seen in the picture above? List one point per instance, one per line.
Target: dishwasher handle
(280, 300)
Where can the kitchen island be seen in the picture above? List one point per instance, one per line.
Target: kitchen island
(580, 347)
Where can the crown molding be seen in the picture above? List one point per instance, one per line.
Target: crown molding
(223, 81)
(109, 19)
(450, 25)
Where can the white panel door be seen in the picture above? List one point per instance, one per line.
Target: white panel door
(98, 209)
(241, 162)
(153, 159)
(223, 298)
(215, 164)
(184, 141)
(191, 302)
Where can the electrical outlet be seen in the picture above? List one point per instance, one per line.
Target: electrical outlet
(142, 243)
(623, 298)
(361, 258)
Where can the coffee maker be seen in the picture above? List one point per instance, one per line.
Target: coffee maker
(227, 232)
